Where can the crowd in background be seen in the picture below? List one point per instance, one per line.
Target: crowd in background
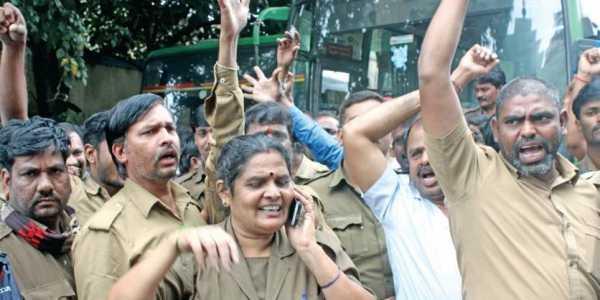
(408, 198)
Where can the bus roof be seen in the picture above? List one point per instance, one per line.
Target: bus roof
(210, 44)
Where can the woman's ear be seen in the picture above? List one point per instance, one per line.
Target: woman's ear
(224, 193)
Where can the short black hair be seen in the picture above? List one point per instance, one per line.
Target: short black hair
(356, 98)
(70, 128)
(523, 86)
(269, 113)
(94, 128)
(237, 152)
(591, 92)
(188, 151)
(31, 137)
(198, 118)
(495, 77)
(126, 113)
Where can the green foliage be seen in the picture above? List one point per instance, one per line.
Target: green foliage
(57, 24)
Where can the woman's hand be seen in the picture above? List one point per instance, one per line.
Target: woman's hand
(302, 236)
(211, 246)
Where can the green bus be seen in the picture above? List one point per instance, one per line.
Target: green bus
(350, 45)
(184, 75)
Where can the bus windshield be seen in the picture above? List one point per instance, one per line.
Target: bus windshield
(374, 44)
(184, 75)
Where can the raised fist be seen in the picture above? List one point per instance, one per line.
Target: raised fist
(479, 60)
(589, 63)
(13, 29)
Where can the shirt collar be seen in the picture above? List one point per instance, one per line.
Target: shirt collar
(338, 177)
(93, 188)
(567, 172)
(145, 201)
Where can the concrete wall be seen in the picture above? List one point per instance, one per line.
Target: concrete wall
(106, 85)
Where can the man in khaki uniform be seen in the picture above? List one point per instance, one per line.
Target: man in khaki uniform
(192, 170)
(102, 179)
(145, 146)
(523, 221)
(358, 229)
(36, 226)
(308, 169)
(586, 109)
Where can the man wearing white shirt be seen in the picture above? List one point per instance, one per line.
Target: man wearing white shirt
(411, 208)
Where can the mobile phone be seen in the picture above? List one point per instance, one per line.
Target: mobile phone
(295, 212)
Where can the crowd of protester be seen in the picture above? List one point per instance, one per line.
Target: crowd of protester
(408, 198)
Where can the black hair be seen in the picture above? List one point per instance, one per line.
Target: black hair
(495, 77)
(31, 137)
(95, 128)
(198, 118)
(523, 86)
(126, 113)
(237, 152)
(269, 113)
(477, 119)
(71, 128)
(408, 126)
(188, 151)
(591, 92)
(356, 98)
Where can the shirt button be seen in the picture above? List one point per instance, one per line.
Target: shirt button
(222, 80)
(572, 264)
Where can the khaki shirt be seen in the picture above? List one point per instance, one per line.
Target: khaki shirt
(39, 275)
(226, 117)
(287, 278)
(131, 223)
(360, 232)
(194, 183)
(587, 165)
(87, 197)
(516, 237)
(309, 170)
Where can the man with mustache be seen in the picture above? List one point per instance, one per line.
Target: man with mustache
(525, 225)
(410, 208)
(36, 226)
(145, 147)
(193, 180)
(586, 107)
(102, 180)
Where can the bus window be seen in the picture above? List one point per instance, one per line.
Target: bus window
(334, 88)
(589, 18)
(377, 42)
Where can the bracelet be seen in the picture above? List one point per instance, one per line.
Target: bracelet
(584, 80)
(337, 276)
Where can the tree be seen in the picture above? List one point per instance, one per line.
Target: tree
(61, 31)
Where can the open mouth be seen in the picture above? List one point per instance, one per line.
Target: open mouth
(428, 177)
(270, 208)
(532, 153)
(168, 157)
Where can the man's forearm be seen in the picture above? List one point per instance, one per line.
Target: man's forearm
(325, 149)
(388, 116)
(13, 85)
(228, 51)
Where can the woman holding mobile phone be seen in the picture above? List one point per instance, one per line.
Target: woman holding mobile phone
(253, 254)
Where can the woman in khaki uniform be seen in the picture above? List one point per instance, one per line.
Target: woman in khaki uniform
(277, 260)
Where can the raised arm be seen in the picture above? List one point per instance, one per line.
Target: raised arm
(13, 85)
(362, 134)
(278, 88)
(587, 68)
(224, 109)
(441, 109)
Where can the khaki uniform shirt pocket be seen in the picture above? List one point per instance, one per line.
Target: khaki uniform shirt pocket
(350, 230)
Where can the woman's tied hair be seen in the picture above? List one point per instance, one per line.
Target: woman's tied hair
(31, 137)
(237, 152)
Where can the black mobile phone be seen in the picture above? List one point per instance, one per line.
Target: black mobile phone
(294, 213)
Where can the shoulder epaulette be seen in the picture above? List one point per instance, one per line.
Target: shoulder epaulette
(104, 219)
